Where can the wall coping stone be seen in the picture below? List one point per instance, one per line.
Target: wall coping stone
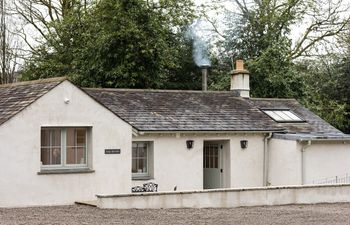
(222, 190)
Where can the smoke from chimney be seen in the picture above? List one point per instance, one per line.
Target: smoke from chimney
(196, 33)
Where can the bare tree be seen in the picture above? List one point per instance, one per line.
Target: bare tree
(325, 19)
(40, 14)
(10, 45)
(3, 77)
(318, 22)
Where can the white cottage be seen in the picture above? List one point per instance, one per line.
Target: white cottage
(60, 143)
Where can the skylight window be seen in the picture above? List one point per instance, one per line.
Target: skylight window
(282, 115)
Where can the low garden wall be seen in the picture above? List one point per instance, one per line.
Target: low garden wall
(218, 198)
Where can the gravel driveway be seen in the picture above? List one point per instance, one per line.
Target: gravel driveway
(292, 214)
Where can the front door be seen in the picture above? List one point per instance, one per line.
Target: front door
(212, 166)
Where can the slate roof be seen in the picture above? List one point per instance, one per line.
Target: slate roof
(313, 124)
(154, 110)
(16, 97)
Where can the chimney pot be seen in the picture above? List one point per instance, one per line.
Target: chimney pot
(239, 64)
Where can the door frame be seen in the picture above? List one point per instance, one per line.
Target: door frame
(221, 149)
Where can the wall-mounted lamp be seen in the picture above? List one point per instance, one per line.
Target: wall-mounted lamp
(189, 144)
(244, 144)
(66, 100)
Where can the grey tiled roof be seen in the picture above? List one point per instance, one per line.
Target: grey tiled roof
(152, 110)
(15, 97)
(314, 124)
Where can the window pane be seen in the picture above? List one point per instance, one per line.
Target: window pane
(134, 152)
(45, 138)
(138, 166)
(134, 166)
(284, 116)
(81, 135)
(76, 137)
(142, 166)
(75, 155)
(141, 145)
(70, 155)
(142, 152)
(287, 115)
(139, 158)
(216, 156)
(70, 137)
(45, 156)
(274, 115)
(76, 146)
(294, 117)
(81, 157)
(51, 146)
(55, 137)
(207, 161)
(56, 156)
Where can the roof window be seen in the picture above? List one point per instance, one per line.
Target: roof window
(282, 115)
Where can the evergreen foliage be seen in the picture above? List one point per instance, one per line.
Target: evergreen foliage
(135, 44)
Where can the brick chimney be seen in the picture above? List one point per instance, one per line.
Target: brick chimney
(240, 80)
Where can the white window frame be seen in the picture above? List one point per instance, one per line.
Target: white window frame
(282, 115)
(64, 164)
(148, 155)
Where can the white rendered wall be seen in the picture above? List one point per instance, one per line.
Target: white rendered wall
(218, 198)
(175, 165)
(240, 83)
(326, 160)
(20, 185)
(320, 160)
(247, 164)
(284, 162)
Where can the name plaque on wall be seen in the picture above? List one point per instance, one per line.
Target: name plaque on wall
(112, 151)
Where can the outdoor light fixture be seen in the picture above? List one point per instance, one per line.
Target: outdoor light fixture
(189, 144)
(66, 100)
(244, 144)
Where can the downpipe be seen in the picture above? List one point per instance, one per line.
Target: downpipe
(303, 149)
(266, 160)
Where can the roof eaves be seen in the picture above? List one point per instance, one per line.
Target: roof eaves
(50, 80)
(312, 137)
(273, 99)
(157, 90)
(211, 131)
(31, 82)
(135, 130)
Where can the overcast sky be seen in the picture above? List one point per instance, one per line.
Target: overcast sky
(227, 5)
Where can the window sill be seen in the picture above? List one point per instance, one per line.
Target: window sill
(65, 171)
(142, 178)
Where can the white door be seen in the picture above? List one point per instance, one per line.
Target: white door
(212, 166)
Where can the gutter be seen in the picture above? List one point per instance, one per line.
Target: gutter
(340, 139)
(140, 132)
(266, 160)
(318, 138)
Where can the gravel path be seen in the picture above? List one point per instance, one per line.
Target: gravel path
(321, 214)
